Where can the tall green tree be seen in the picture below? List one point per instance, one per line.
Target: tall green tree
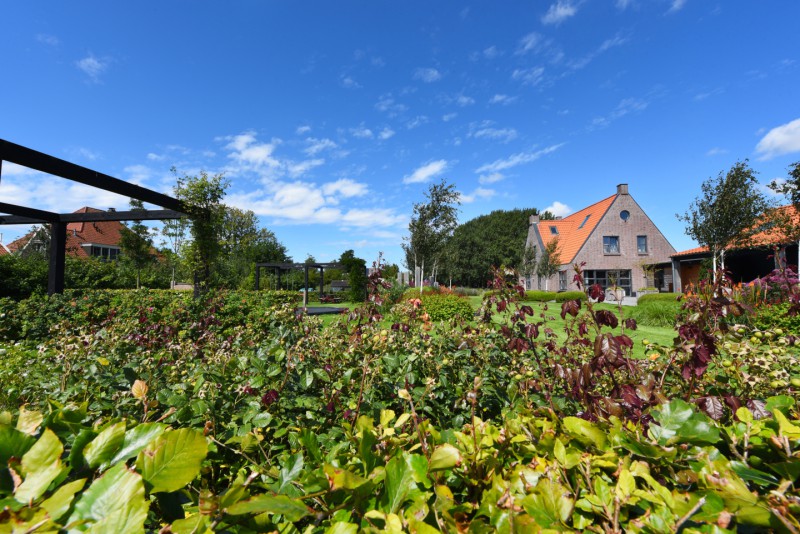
(528, 262)
(726, 212)
(356, 270)
(549, 263)
(174, 233)
(431, 225)
(202, 196)
(137, 244)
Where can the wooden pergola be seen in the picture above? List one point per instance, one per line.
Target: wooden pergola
(32, 159)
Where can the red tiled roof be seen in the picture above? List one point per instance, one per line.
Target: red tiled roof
(571, 236)
(696, 250)
(3, 250)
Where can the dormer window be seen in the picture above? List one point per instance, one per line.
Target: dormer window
(554, 230)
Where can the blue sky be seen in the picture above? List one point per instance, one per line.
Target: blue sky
(331, 119)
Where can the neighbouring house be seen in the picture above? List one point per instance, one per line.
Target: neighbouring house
(769, 248)
(84, 239)
(4, 250)
(615, 238)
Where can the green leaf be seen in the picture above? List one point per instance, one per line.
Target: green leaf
(399, 481)
(340, 478)
(29, 422)
(58, 504)
(559, 452)
(786, 428)
(698, 429)
(340, 527)
(626, 485)
(114, 502)
(753, 475)
(289, 473)
(40, 466)
(102, 448)
(784, 403)
(13, 443)
(172, 460)
(136, 439)
(444, 457)
(585, 431)
(194, 524)
(291, 509)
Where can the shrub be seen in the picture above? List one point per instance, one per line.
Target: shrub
(570, 295)
(467, 291)
(540, 296)
(654, 313)
(659, 297)
(776, 316)
(445, 307)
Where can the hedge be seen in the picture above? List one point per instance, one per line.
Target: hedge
(570, 295)
(443, 307)
(659, 297)
(540, 296)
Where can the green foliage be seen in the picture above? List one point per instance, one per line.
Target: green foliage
(662, 313)
(488, 240)
(659, 297)
(137, 244)
(444, 307)
(728, 209)
(769, 317)
(22, 276)
(431, 226)
(549, 261)
(356, 270)
(540, 296)
(570, 295)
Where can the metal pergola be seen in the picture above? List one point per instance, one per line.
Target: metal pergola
(305, 267)
(32, 159)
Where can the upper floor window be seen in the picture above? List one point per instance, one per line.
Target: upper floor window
(641, 244)
(624, 215)
(554, 230)
(104, 252)
(610, 244)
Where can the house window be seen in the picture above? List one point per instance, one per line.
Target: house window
(585, 221)
(104, 252)
(624, 215)
(641, 244)
(608, 278)
(554, 230)
(610, 244)
(562, 280)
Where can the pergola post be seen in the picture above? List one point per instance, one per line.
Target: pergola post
(305, 288)
(321, 281)
(258, 277)
(58, 246)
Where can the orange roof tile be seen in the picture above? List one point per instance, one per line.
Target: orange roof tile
(571, 236)
(696, 250)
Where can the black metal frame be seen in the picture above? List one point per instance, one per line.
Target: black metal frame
(45, 163)
(281, 267)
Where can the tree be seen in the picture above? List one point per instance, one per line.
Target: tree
(487, 241)
(174, 231)
(356, 270)
(549, 263)
(242, 244)
(136, 243)
(430, 227)
(528, 263)
(202, 196)
(725, 213)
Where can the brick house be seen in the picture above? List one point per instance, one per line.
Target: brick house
(84, 239)
(615, 238)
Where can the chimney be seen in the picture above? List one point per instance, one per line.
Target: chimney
(558, 218)
(112, 209)
(534, 219)
(622, 189)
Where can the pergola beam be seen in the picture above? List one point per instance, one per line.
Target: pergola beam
(29, 213)
(42, 162)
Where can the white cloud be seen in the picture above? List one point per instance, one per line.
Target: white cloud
(784, 139)
(50, 40)
(529, 42)
(560, 11)
(624, 4)
(475, 195)
(605, 46)
(345, 187)
(417, 121)
(315, 146)
(491, 52)
(370, 218)
(426, 172)
(348, 82)
(385, 134)
(490, 178)
(362, 132)
(516, 159)
(449, 116)
(558, 209)
(502, 99)
(298, 169)
(138, 174)
(301, 130)
(464, 101)
(498, 134)
(155, 157)
(677, 5)
(716, 151)
(387, 104)
(427, 75)
(626, 106)
(248, 154)
(532, 76)
(92, 67)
